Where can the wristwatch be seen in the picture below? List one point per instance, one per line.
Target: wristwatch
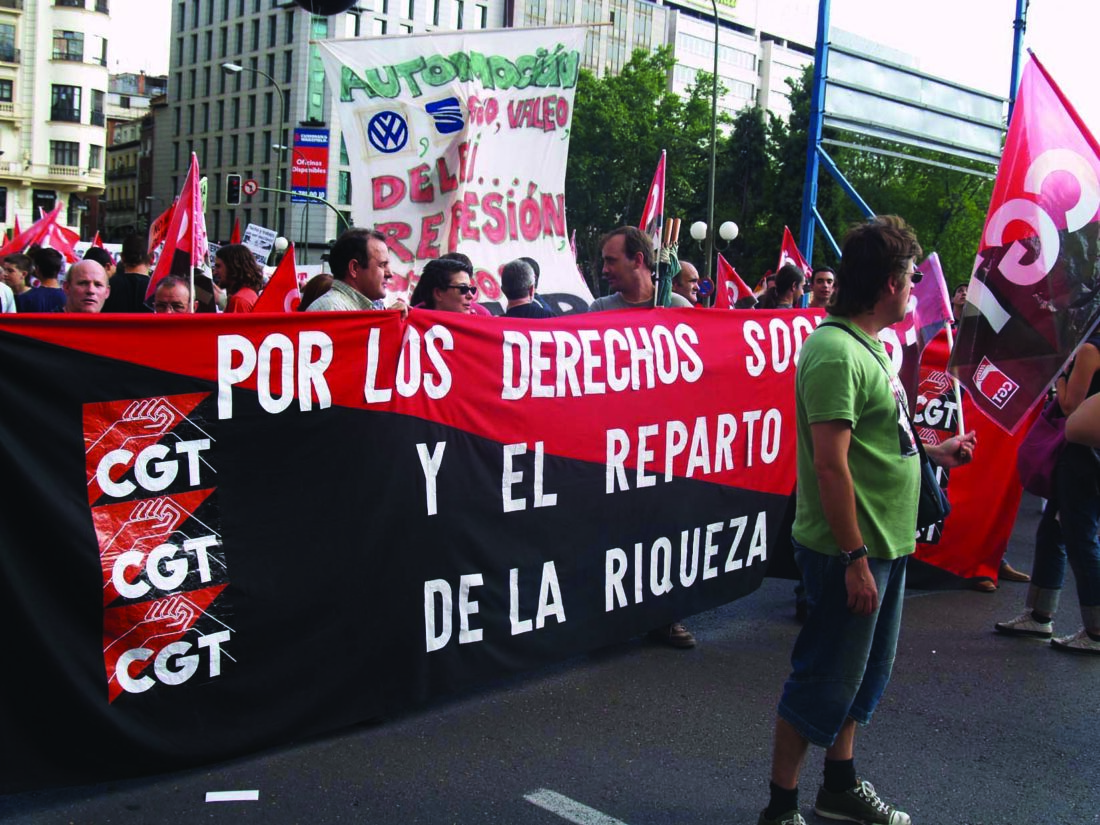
(855, 555)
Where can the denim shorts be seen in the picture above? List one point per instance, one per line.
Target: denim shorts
(841, 663)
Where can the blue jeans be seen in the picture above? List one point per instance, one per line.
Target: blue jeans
(1068, 530)
(841, 662)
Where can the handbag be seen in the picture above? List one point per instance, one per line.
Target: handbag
(1040, 450)
(932, 504)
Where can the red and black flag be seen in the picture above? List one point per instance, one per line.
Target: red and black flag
(185, 246)
(1034, 295)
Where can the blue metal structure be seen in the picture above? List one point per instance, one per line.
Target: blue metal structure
(816, 155)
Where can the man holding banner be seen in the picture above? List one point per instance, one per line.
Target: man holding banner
(854, 528)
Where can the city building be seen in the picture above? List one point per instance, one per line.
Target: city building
(53, 92)
(247, 92)
(129, 203)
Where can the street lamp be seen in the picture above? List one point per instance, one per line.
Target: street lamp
(727, 231)
(280, 147)
(237, 68)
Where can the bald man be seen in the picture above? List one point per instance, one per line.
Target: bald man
(85, 288)
(686, 283)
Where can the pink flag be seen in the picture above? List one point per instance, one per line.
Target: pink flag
(185, 247)
(281, 293)
(730, 286)
(1033, 296)
(789, 253)
(653, 214)
(929, 312)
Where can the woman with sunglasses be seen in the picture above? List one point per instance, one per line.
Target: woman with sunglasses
(445, 285)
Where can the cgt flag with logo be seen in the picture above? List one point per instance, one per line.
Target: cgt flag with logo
(730, 286)
(458, 142)
(789, 253)
(190, 552)
(1034, 295)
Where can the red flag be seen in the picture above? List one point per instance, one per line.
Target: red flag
(653, 214)
(1034, 294)
(236, 236)
(43, 232)
(158, 229)
(185, 247)
(789, 253)
(762, 284)
(730, 286)
(96, 240)
(15, 228)
(281, 293)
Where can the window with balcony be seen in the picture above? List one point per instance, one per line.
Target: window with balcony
(95, 157)
(65, 104)
(102, 6)
(8, 52)
(68, 45)
(74, 4)
(64, 153)
(6, 90)
(3, 204)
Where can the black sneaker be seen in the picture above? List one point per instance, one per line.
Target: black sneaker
(673, 635)
(859, 804)
(789, 818)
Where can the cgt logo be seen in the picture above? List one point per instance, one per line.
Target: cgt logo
(994, 384)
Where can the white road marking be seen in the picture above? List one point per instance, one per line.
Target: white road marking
(232, 796)
(569, 809)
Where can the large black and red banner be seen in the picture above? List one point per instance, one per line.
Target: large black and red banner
(219, 533)
(224, 532)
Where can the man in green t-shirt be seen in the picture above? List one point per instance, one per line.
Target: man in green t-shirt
(855, 525)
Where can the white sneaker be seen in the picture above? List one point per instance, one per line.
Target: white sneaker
(1025, 625)
(1079, 642)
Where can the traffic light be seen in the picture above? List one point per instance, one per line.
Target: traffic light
(232, 190)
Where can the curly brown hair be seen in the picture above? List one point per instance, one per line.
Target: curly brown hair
(241, 269)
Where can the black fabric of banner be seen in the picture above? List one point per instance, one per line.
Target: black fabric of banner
(328, 577)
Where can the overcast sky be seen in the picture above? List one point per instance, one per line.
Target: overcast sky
(969, 41)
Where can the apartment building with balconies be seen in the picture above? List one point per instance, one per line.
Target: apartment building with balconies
(53, 92)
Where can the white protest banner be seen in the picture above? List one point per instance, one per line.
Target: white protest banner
(458, 142)
(260, 240)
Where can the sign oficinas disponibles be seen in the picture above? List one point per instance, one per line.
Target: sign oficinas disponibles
(458, 142)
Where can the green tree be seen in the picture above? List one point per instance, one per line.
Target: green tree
(620, 125)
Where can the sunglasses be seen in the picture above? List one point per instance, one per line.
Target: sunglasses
(915, 276)
(463, 289)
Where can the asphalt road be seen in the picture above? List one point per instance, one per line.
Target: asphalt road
(975, 729)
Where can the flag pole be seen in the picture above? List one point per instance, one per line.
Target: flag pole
(955, 381)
